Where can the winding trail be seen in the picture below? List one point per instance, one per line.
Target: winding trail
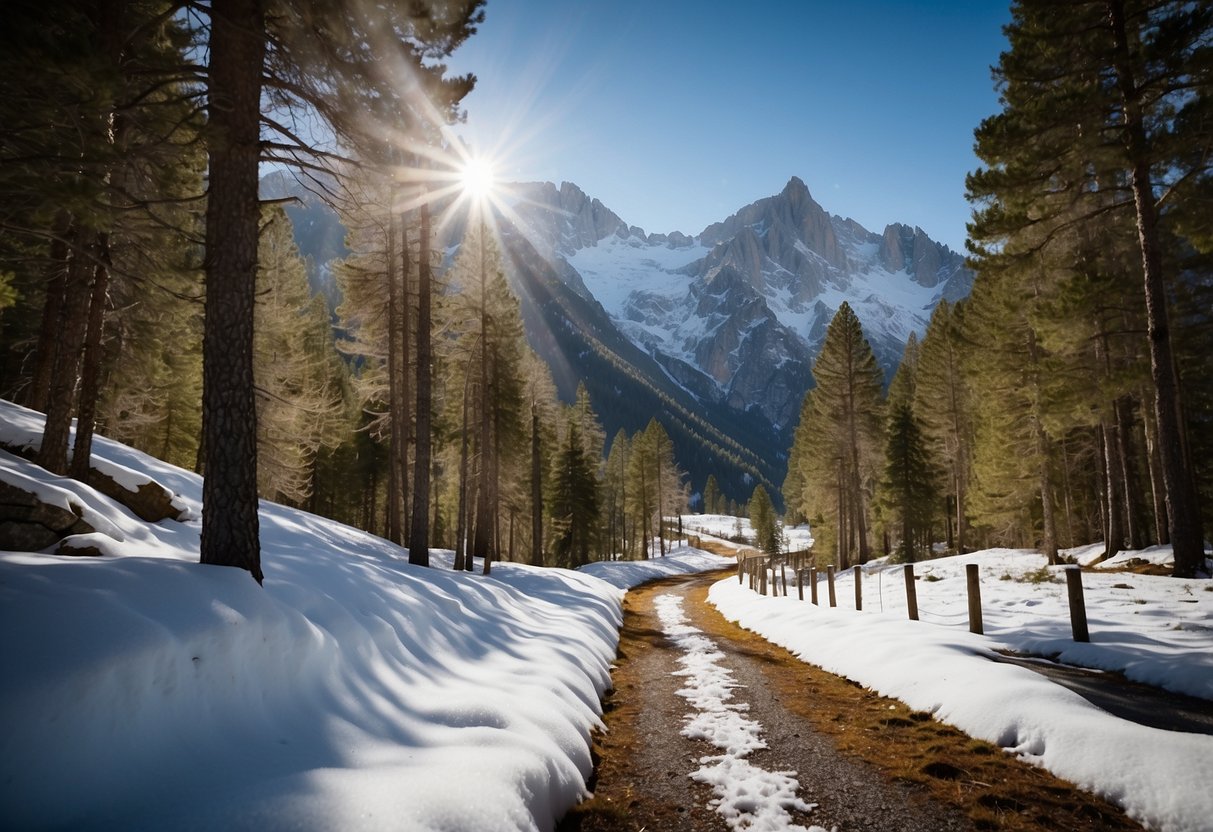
(857, 761)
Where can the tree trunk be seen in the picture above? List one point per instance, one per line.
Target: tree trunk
(536, 491)
(229, 413)
(484, 522)
(396, 449)
(1186, 537)
(419, 534)
(1113, 526)
(461, 519)
(660, 491)
(1158, 500)
(65, 373)
(1132, 505)
(406, 420)
(90, 370)
(52, 312)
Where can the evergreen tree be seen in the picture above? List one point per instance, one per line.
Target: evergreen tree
(942, 405)
(837, 446)
(764, 522)
(299, 406)
(1098, 120)
(909, 484)
(574, 498)
(615, 491)
(711, 496)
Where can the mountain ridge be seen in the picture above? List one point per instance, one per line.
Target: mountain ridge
(714, 334)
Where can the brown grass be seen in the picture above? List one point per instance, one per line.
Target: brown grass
(994, 789)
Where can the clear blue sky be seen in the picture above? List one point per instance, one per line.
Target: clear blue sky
(676, 113)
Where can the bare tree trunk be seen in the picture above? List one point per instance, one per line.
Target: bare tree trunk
(1186, 537)
(90, 370)
(1132, 505)
(229, 413)
(66, 368)
(38, 393)
(419, 534)
(1113, 524)
(482, 542)
(461, 519)
(536, 491)
(396, 449)
(660, 494)
(1158, 499)
(406, 421)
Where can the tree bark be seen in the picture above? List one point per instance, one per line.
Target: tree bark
(536, 491)
(406, 421)
(52, 312)
(65, 371)
(90, 369)
(419, 533)
(482, 541)
(229, 413)
(396, 450)
(1183, 514)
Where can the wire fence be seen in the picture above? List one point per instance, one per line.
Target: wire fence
(769, 575)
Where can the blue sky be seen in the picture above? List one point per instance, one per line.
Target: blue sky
(675, 114)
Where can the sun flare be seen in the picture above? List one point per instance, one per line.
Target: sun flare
(477, 178)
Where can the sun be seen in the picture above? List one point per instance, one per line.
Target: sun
(477, 178)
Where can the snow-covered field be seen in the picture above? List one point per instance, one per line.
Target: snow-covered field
(725, 527)
(1155, 629)
(142, 690)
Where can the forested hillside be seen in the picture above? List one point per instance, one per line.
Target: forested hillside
(1069, 399)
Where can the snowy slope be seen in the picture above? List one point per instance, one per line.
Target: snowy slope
(353, 691)
(1158, 630)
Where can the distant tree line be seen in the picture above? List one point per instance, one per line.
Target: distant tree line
(1069, 398)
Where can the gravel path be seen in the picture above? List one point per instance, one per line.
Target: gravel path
(643, 781)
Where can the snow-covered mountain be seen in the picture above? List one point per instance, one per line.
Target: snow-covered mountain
(736, 314)
(714, 335)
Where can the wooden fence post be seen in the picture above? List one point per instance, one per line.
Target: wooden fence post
(762, 577)
(800, 583)
(1078, 606)
(830, 581)
(783, 576)
(911, 592)
(974, 599)
(813, 583)
(740, 569)
(858, 587)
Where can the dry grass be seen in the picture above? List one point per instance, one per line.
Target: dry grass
(994, 789)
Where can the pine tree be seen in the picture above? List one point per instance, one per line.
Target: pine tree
(711, 496)
(942, 405)
(1097, 120)
(909, 485)
(764, 522)
(574, 498)
(615, 491)
(838, 443)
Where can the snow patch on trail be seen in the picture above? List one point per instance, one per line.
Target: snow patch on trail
(747, 797)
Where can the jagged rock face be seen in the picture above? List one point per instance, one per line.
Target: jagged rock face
(746, 303)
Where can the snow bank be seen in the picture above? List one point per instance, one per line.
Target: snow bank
(683, 560)
(1159, 778)
(354, 691)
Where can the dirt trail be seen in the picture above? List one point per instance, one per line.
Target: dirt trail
(867, 762)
